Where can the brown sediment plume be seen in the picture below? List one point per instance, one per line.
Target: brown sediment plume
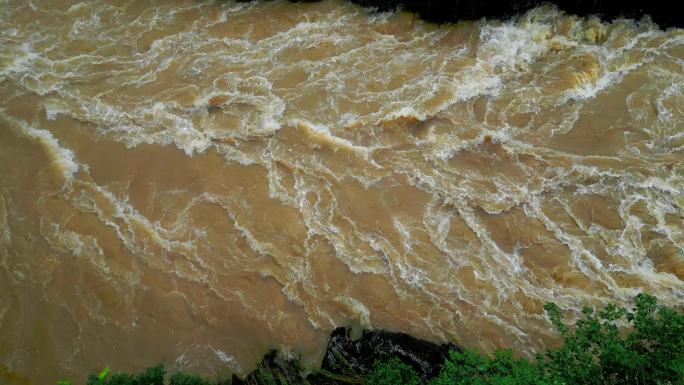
(188, 183)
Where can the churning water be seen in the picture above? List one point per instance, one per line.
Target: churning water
(196, 182)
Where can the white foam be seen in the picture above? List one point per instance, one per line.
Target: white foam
(588, 90)
(62, 157)
(321, 135)
(21, 60)
(663, 113)
(228, 360)
(358, 310)
(405, 112)
(509, 46)
(5, 233)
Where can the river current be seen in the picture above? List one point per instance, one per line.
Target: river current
(197, 183)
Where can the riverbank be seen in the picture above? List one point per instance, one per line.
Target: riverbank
(594, 352)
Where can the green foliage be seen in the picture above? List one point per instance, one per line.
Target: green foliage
(471, 368)
(63, 382)
(392, 372)
(187, 379)
(150, 376)
(266, 376)
(103, 374)
(594, 352)
(122, 379)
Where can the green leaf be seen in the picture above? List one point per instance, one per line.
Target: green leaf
(103, 374)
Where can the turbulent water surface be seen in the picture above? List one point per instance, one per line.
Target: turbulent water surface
(197, 183)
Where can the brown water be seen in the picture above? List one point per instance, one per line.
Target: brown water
(196, 183)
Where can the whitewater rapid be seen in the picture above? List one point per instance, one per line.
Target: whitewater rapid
(197, 183)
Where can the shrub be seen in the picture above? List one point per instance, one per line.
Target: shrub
(187, 379)
(150, 376)
(471, 368)
(593, 352)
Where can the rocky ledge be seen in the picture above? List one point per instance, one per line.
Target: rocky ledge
(348, 359)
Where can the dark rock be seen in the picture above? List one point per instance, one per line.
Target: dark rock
(661, 12)
(440, 11)
(274, 370)
(343, 354)
(348, 360)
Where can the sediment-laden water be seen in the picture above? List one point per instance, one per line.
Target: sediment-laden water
(196, 183)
